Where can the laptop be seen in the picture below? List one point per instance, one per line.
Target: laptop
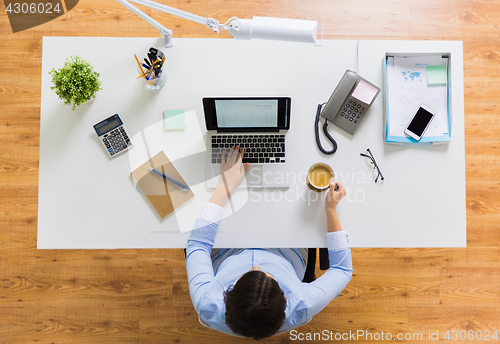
(260, 126)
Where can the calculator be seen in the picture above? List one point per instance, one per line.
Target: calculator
(113, 135)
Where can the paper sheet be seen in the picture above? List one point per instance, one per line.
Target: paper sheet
(407, 80)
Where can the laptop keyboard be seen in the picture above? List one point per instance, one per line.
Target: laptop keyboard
(261, 149)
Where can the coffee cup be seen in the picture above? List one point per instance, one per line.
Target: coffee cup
(319, 175)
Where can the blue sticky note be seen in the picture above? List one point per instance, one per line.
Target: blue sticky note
(437, 75)
(174, 119)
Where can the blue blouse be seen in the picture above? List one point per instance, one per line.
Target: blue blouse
(209, 279)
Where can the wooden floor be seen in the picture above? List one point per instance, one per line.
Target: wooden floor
(141, 296)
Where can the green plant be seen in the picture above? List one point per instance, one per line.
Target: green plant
(76, 82)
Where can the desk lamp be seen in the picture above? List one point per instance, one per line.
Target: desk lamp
(282, 29)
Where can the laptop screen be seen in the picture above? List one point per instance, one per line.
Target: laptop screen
(247, 114)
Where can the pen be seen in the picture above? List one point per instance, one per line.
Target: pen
(185, 187)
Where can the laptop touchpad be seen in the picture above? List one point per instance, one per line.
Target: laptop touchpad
(253, 175)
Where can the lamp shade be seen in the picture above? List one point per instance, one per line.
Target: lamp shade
(282, 29)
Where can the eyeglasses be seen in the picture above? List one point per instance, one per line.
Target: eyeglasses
(371, 161)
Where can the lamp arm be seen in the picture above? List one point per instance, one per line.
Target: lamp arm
(282, 29)
(163, 30)
(171, 10)
(209, 22)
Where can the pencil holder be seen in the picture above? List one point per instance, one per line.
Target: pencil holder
(156, 84)
(151, 69)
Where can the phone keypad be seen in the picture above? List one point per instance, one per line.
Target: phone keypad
(352, 110)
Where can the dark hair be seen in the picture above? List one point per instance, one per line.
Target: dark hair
(255, 306)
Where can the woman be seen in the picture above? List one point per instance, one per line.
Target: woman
(257, 293)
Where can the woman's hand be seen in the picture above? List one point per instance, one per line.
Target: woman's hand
(231, 173)
(334, 196)
(332, 199)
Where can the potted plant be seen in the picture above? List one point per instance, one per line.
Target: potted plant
(76, 82)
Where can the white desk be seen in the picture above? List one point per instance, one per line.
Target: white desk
(87, 200)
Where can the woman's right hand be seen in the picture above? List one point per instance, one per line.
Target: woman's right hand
(232, 168)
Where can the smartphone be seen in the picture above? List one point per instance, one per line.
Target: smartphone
(420, 122)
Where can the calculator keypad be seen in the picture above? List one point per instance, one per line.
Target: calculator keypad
(116, 141)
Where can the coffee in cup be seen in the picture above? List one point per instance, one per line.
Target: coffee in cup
(319, 176)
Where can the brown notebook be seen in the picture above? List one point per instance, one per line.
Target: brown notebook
(164, 195)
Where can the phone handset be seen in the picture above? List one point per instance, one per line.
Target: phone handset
(340, 94)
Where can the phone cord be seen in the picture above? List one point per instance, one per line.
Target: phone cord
(325, 130)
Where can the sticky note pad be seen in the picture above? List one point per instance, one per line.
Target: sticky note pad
(437, 75)
(174, 119)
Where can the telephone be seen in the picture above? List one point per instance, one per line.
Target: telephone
(350, 101)
(347, 106)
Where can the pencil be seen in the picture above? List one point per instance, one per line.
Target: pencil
(140, 67)
(142, 75)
